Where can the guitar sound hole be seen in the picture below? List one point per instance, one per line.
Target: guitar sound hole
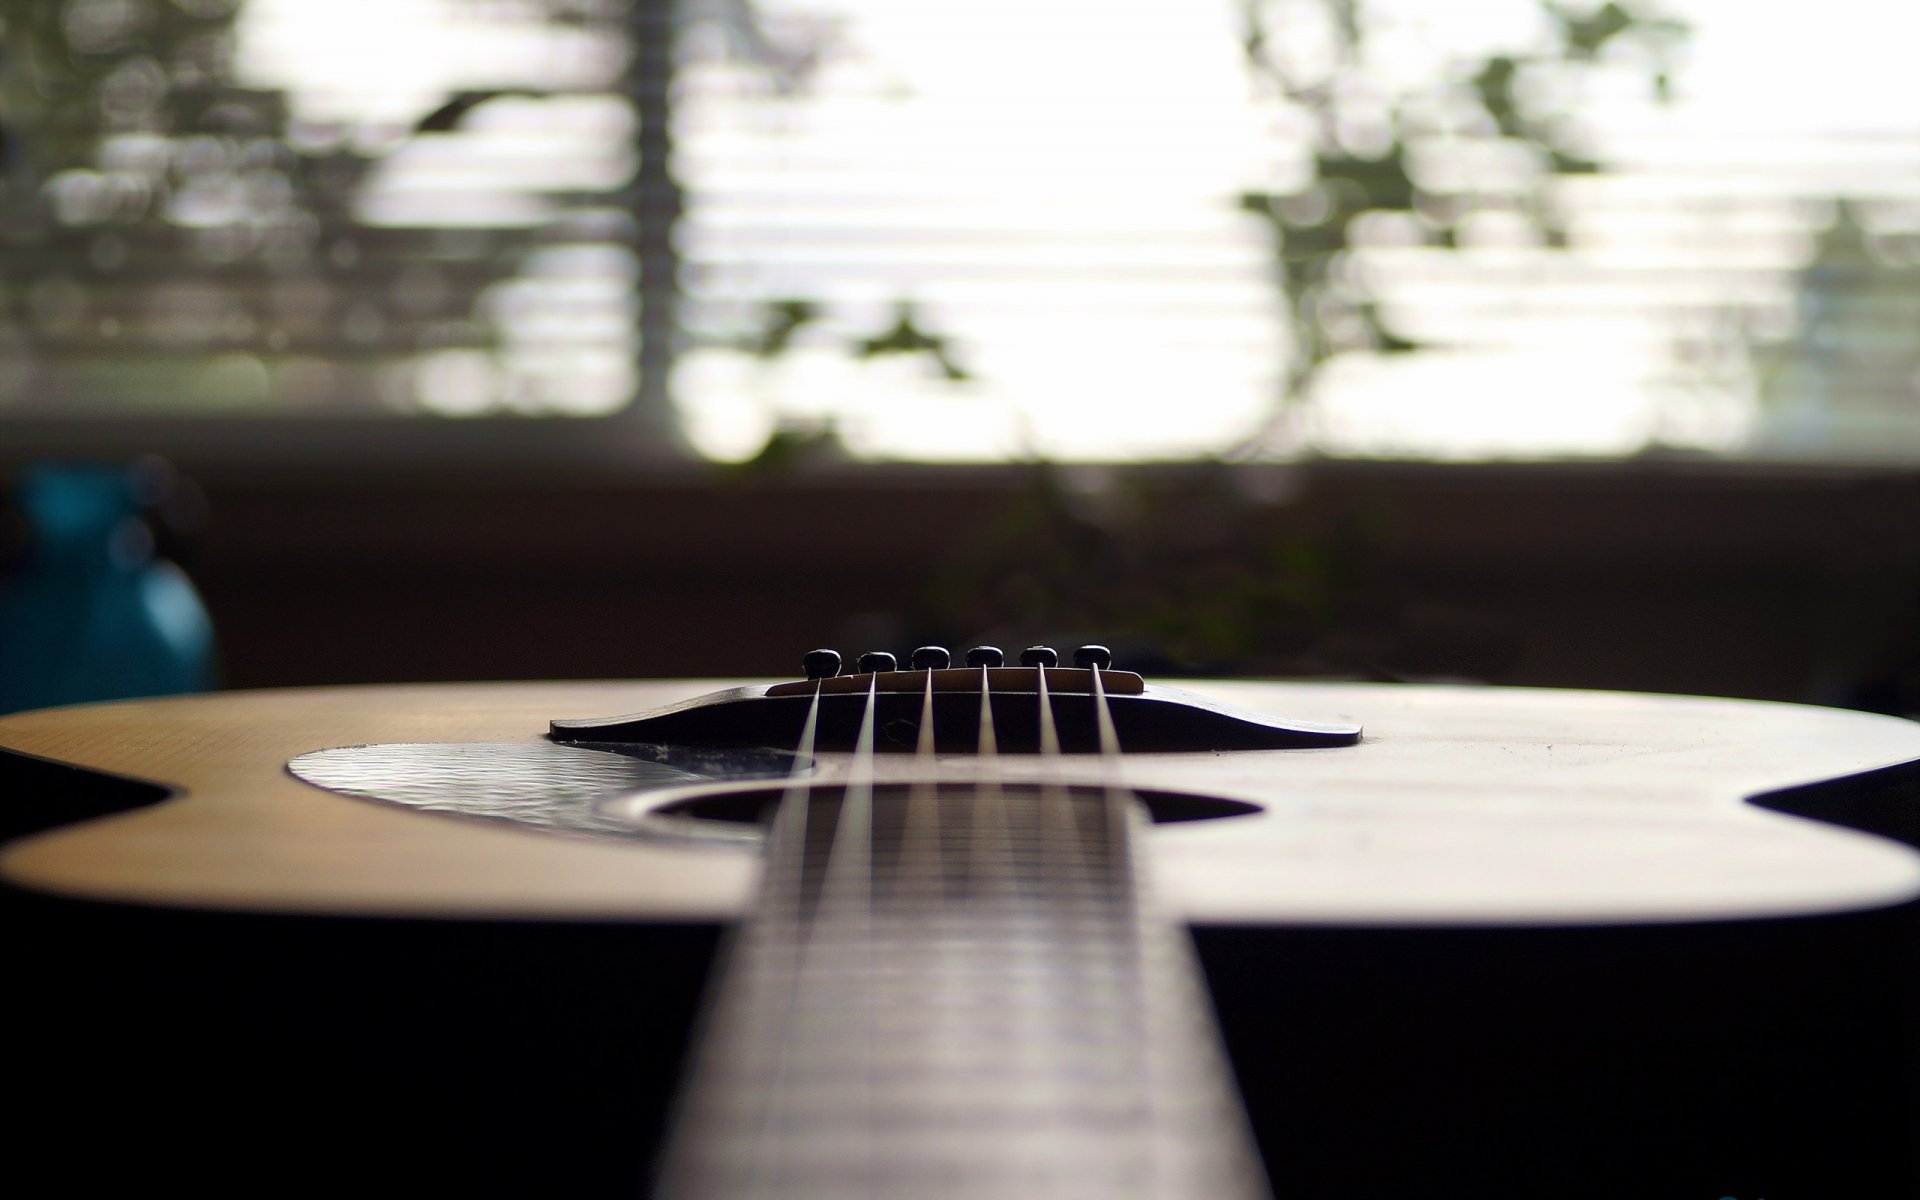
(752, 805)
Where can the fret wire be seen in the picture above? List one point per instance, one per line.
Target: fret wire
(1014, 1013)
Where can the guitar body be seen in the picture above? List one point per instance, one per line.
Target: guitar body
(1511, 944)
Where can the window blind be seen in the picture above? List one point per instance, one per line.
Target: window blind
(1003, 230)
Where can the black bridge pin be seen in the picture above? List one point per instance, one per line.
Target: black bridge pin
(1093, 656)
(985, 656)
(930, 658)
(821, 664)
(875, 661)
(1039, 656)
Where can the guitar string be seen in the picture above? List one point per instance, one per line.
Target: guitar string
(1058, 845)
(1064, 847)
(805, 956)
(830, 949)
(1118, 806)
(831, 945)
(1183, 1114)
(780, 921)
(1042, 936)
(1063, 837)
(987, 843)
(919, 877)
(1081, 915)
(1117, 798)
(844, 919)
(835, 947)
(755, 1028)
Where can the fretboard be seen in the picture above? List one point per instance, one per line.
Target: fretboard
(965, 995)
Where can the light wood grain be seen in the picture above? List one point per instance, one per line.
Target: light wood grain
(1462, 805)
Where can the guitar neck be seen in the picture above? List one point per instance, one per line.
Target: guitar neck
(959, 994)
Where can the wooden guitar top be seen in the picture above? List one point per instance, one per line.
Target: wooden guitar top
(1462, 805)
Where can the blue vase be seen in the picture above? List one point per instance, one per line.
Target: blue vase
(92, 613)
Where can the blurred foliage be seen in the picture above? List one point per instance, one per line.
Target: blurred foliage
(170, 230)
(1367, 132)
(1847, 375)
(1836, 371)
(787, 49)
(811, 443)
(1196, 568)
(782, 319)
(907, 336)
(1216, 567)
(792, 446)
(1211, 568)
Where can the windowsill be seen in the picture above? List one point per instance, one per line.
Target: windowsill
(1766, 580)
(631, 449)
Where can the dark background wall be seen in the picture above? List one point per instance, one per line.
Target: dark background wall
(1772, 582)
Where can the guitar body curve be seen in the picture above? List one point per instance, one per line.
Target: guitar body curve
(1512, 943)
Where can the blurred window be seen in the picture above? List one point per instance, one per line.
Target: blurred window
(1085, 229)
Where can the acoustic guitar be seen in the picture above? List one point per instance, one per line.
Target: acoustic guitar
(971, 930)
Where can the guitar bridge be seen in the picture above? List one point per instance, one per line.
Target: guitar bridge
(1146, 717)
